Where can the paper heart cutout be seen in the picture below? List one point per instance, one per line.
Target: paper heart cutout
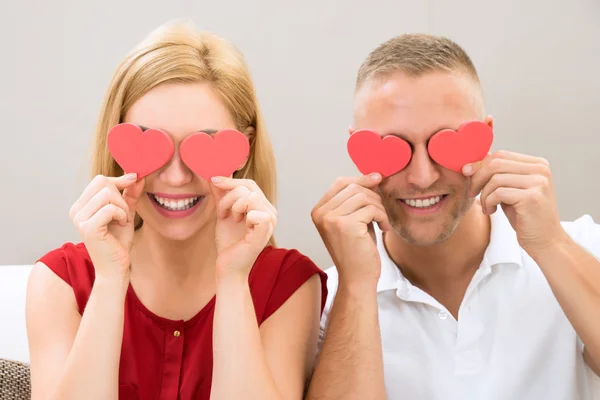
(454, 149)
(218, 155)
(372, 153)
(142, 152)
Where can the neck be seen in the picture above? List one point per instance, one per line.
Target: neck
(176, 259)
(446, 264)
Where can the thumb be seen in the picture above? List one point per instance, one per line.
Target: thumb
(370, 180)
(123, 181)
(217, 194)
(132, 195)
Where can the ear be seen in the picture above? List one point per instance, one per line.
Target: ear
(489, 120)
(351, 130)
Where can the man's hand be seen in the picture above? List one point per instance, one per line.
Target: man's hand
(344, 218)
(522, 186)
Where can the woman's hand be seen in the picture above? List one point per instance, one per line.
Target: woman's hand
(245, 223)
(105, 220)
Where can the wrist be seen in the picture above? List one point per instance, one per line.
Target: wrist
(358, 287)
(234, 276)
(550, 249)
(114, 282)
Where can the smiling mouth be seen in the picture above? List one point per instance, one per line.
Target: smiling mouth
(425, 202)
(175, 204)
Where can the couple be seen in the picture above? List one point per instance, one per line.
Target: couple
(447, 284)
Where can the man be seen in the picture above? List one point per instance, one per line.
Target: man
(451, 285)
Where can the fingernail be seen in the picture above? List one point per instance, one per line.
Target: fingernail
(216, 179)
(467, 169)
(375, 176)
(130, 177)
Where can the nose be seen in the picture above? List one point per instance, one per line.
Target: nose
(176, 173)
(421, 172)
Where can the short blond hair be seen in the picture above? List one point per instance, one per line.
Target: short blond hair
(415, 55)
(178, 52)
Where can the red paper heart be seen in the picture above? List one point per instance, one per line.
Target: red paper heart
(372, 153)
(142, 152)
(454, 149)
(218, 155)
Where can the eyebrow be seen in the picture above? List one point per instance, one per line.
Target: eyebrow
(207, 131)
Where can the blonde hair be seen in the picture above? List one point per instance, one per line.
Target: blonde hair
(416, 55)
(177, 52)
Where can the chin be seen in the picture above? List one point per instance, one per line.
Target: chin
(421, 237)
(178, 234)
(425, 233)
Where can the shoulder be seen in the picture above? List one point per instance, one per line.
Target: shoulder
(278, 254)
(66, 259)
(68, 252)
(585, 232)
(72, 264)
(277, 274)
(274, 264)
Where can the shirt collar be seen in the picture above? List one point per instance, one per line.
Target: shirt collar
(503, 248)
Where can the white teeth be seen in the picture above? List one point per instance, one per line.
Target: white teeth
(423, 203)
(176, 205)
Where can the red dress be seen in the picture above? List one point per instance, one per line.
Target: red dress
(165, 359)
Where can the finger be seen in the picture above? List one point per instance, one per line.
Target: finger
(106, 195)
(472, 168)
(354, 203)
(502, 195)
(100, 220)
(499, 166)
(370, 213)
(217, 195)
(256, 202)
(132, 195)
(238, 209)
(509, 181)
(226, 183)
(347, 193)
(260, 228)
(229, 199)
(367, 181)
(124, 181)
(99, 182)
(245, 204)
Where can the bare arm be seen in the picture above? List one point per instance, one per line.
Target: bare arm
(574, 276)
(73, 357)
(350, 364)
(272, 362)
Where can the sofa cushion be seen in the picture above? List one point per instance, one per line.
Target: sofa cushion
(15, 383)
(13, 335)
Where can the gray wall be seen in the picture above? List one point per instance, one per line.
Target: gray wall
(539, 64)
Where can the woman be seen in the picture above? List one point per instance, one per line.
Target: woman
(176, 290)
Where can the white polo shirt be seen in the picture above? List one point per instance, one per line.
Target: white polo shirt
(512, 340)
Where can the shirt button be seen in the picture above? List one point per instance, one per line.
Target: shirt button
(443, 314)
(176, 333)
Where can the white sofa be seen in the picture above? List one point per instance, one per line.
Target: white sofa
(13, 335)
